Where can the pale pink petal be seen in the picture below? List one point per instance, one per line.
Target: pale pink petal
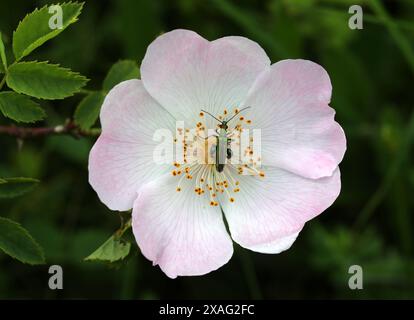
(180, 231)
(186, 73)
(290, 105)
(278, 245)
(268, 213)
(121, 160)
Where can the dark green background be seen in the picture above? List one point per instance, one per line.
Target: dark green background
(370, 224)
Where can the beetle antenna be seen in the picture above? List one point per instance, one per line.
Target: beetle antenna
(237, 114)
(212, 115)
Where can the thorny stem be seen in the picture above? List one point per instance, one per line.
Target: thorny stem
(69, 128)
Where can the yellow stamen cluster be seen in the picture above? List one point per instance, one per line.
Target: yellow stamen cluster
(208, 181)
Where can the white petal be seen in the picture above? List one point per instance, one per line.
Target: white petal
(268, 213)
(180, 231)
(290, 105)
(121, 160)
(276, 246)
(187, 73)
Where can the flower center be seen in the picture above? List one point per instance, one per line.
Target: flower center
(213, 170)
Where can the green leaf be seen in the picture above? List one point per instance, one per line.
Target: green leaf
(112, 250)
(34, 29)
(121, 71)
(43, 80)
(19, 107)
(19, 244)
(88, 109)
(14, 187)
(3, 54)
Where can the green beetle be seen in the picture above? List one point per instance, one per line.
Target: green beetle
(223, 149)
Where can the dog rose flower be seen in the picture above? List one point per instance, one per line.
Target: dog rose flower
(178, 209)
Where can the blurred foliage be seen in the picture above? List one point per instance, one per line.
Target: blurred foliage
(371, 223)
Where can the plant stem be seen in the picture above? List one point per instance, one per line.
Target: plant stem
(3, 81)
(27, 132)
(86, 91)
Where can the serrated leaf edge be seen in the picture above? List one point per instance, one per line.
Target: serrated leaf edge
(40, 249)
(37, 10)
(77, 75)
(37, 106)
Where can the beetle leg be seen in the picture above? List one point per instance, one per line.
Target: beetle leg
(205, 138)
(229, 153)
